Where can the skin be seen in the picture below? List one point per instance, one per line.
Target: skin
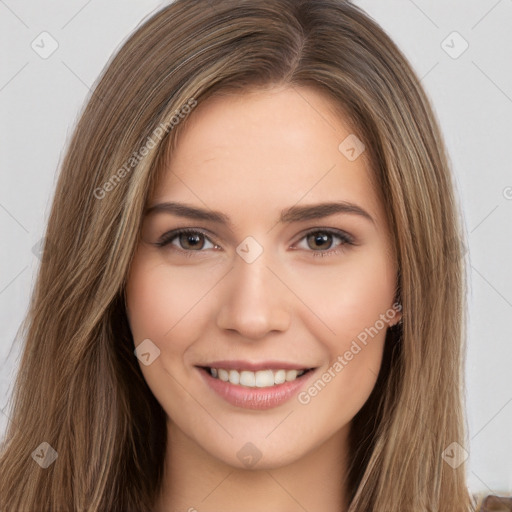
(250, 156)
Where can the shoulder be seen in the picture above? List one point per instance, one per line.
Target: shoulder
(492, 503)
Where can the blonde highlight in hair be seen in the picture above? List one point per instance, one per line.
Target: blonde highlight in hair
(80, 388)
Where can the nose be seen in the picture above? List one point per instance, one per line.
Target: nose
(254, 302)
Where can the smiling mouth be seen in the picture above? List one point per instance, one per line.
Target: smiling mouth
(257, 379)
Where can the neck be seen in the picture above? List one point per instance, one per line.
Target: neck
(196, 481)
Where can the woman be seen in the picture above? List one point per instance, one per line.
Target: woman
(186, 347)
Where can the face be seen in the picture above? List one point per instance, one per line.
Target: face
(283, 264)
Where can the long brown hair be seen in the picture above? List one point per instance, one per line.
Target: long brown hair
(79, 386)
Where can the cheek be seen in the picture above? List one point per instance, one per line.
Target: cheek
(161, 302)
(353, 304)
(349, 298)
(340, 392)
(167, 306)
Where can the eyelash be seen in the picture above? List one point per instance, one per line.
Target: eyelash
(346, 239)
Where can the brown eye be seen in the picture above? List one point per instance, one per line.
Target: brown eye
(191, 240)
(186, 240)
(325, 242)
(319, 240)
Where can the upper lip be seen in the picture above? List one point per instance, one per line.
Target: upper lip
(263, 365)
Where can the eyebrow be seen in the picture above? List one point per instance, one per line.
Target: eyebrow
(289, 215)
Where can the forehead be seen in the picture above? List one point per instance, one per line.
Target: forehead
(267, 149)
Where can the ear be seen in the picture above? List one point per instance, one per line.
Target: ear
(394, 314)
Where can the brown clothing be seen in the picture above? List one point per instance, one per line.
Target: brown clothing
(493, 504)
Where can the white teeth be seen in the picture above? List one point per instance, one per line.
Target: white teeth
(280, 376)
(264, 378)
(234, 377)
(291, 375)
(260, 379)
(247, 378)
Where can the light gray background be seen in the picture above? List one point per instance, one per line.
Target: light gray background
(40, 100)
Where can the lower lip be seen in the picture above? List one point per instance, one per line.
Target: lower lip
(255, 398)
